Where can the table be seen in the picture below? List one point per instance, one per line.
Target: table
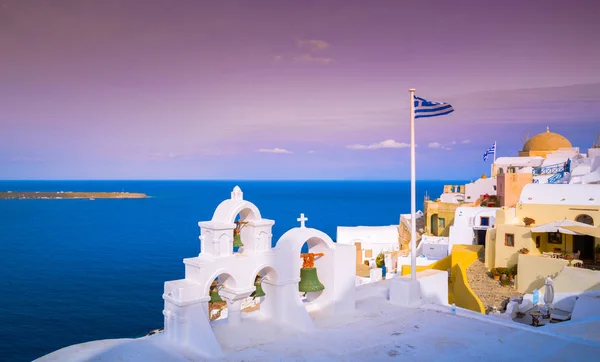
(535, 318)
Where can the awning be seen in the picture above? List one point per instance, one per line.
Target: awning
(582, 230)
(560, 226)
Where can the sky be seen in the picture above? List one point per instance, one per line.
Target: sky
(161, 89)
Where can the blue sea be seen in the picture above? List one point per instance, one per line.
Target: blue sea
(73, 271)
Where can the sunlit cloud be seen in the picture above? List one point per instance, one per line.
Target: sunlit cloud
(380, 145)
(274, 150)
(439, 146)
(309, 58)
(313, 45)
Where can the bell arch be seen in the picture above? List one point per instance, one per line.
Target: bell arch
(269, 273)
(224, 276)
(218, 236)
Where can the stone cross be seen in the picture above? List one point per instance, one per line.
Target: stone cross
(302, 219)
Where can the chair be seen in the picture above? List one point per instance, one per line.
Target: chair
(577, 254)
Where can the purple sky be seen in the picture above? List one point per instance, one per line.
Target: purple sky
(149, 89)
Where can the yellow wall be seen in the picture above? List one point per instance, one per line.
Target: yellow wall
(506, 256)
(439, 210)
(459, 290)
(533, 271)
(490, 247)
(510, 221)
(547, 213)
(535, 153)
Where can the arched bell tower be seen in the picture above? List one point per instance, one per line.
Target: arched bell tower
(216, 235)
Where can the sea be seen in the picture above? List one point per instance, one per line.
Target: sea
(77, 270)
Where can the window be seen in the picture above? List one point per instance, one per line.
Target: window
(509, 239)
(485, 221)
(538, 241)
(554, 238)
(442, 222)
(494, 187)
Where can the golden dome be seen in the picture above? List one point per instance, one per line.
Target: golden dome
(547, 141)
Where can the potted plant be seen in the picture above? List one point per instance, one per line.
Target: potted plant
(512, 271)
(528, 221)
(523, 251)
(495, 274)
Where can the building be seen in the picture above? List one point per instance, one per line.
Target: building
(439, 214)
(540, 223)
(405, 229)
(545, 158)
(369, 240)
(483, 186)
(471, 225)
(510, 185)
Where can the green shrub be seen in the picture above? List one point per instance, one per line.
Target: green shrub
(380, 260)
(503, 271)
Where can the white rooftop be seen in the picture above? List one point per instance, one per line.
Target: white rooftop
(377, 330)
(561, 194)
(534, 161)
(367, 234)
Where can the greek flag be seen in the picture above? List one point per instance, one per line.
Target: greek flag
(425, 108)
(490, 151)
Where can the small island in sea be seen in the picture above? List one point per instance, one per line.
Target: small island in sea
(70, 195)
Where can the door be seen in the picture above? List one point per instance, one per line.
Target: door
(434, 224)
(584, 244)
(481, 236)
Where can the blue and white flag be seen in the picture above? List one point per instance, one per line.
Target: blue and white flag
(490, 151)
(425, 108)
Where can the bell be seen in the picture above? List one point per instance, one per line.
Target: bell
(215, 297)
(309, 281)
(237, 240)
(259, 292)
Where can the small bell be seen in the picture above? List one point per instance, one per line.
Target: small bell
(309, 281)
(259, 292)
(237, 240)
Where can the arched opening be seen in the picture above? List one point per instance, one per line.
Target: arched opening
(586, 219)
(217, 307)
(583, 245)
(316, 271)
(262, 275)
(241, 219)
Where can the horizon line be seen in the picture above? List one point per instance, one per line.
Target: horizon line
(229, 180)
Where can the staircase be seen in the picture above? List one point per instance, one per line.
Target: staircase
(557, 171)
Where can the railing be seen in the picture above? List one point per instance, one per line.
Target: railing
(557, 171)
(549, 170)
(556, 177)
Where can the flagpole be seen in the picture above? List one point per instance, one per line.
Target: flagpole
(413, 190)
(494, 163)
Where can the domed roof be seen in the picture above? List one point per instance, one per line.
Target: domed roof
(547, 141)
